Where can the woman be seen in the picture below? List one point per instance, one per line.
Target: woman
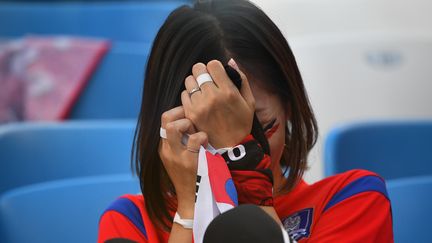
(350, 207)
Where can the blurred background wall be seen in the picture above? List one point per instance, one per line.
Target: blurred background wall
(360, 60)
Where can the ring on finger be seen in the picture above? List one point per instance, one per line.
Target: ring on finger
(203, 78)
(196, 89)
(192, 150)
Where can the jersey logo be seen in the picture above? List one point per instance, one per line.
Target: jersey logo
(241, 151)
(299, 223)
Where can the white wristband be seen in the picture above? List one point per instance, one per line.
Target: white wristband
(186, 223)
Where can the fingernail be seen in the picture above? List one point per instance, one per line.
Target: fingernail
(233, 64)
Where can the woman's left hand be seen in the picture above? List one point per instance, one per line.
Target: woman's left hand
(219, 109)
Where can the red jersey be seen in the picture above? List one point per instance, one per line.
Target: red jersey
(349, 207)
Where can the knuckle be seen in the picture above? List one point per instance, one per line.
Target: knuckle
(166, 117)
(188, 113)
(198, 67)
(230, 94)
(181, 109)
(188, 122)
(192, 116)
(212, 98)
(196, 142)
(184, 96)
(184, 93)
(193, 138)
(170, 126)
(213, 64)
(202, 135)
(189, 79)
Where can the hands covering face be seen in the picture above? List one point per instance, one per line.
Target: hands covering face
(217, 113)
(219, 109)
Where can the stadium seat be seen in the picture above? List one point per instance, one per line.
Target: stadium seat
(115, 89)
(411, 199)
(392, 149)
(136, 21)
(38, 152)
(60, 211)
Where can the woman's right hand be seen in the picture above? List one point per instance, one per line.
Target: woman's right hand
(219, 109)
(179, 160)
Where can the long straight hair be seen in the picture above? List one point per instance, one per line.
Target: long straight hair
(208, 30)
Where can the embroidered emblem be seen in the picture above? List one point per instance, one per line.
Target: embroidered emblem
(298, 224)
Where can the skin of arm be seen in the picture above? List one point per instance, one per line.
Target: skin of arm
(178, 233)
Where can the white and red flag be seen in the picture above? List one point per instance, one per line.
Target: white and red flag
(216, 192)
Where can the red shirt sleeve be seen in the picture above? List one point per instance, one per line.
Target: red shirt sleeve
(364, 217)
(123, 219)
(115, 225)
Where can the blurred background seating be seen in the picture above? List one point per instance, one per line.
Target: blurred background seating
(391, 149)
(398, 151)
(411, 199)
(115, 88)
(60, 211)
(40, 152)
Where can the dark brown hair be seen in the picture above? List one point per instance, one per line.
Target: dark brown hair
(208, 30)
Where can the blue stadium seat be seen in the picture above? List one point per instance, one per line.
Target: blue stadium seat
(38, 152)
(116, 21)
(392, 149)
(115, 89)
(411, 200)
(60, 211)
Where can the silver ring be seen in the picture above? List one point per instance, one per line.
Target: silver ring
(196, 89)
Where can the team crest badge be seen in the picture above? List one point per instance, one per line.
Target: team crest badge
(298, 224)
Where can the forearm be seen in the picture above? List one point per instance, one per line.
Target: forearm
(179, 234)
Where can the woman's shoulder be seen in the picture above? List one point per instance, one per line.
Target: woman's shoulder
(338, 202)
(124, 218)
(350, 184)
(130, 206)
(338, 187)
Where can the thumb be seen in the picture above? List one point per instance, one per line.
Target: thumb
(245, 89)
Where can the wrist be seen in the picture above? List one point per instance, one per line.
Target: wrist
(247, 155)
(234, 140)
(185, 223)
(186, 211)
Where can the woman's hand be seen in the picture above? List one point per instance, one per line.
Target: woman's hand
(179, 160)
(219, 109)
